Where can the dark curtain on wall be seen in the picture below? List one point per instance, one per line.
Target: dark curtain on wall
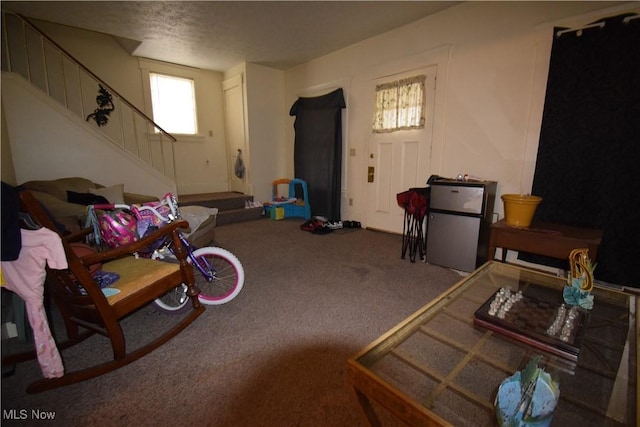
(318, 150)
(588, 164)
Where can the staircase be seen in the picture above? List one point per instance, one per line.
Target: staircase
(47, 67)
(230, 204)
(28, 52)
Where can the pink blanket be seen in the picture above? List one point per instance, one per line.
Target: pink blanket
(25, 276)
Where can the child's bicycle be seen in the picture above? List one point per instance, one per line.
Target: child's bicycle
(221, 274)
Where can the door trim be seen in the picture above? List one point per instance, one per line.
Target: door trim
(236, 81)
(438, 57)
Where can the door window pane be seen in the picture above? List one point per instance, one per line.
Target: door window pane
(400, 105)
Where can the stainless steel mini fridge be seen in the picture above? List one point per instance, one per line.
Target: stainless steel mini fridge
(460, 214)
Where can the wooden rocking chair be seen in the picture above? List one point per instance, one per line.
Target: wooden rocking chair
(86, 310)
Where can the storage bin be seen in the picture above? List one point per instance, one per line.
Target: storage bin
(277, 212)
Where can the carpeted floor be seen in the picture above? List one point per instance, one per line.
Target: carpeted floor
(274, 356)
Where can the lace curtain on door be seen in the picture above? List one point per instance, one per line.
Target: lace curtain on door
(399, 105)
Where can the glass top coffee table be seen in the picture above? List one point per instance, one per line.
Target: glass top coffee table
(439, 368)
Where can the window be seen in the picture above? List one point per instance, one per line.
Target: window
(399, 105)
(174, 103)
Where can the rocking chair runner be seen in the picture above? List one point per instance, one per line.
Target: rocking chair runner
(82, 303)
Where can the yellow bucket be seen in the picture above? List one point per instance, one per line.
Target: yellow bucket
(519, 209)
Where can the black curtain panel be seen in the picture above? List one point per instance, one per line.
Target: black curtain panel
(588, 163)
(318, 150)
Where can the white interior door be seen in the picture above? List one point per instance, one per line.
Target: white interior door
(234, 117)
(398, 161)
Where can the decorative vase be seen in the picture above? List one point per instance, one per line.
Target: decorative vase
(528, 398)
(519, 209)
(513, 411)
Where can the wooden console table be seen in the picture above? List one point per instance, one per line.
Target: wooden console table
(552, 240)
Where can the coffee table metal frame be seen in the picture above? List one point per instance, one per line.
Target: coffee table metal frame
(437, 368)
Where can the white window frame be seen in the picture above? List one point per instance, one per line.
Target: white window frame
(148, 66)
(163, 109)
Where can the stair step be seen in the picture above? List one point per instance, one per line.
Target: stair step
(230, 204)
(227, 200)
(238, 215)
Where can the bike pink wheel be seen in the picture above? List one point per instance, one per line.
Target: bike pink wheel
(224, 275)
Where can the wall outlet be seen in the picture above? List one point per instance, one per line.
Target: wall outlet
(352, 152)
(350, 202)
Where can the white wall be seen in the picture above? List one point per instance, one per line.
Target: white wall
(201, 162)
(6, 157)
(265, 158)
(266, 121)
(492, 56)
(201, 165)
(47, 143)
(101, 55)
(491, 87)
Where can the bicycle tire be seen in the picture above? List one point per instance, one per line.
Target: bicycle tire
(228, 276)
(175, 301)
(226, 284)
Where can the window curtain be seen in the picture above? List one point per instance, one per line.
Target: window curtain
(318, 150)
(399, 105)
(588, 162)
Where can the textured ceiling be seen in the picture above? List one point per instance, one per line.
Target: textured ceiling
(218, 35)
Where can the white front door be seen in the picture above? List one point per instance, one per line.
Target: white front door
(398, 161)
(234, 117)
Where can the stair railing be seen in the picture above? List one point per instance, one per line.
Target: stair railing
(30, 53)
